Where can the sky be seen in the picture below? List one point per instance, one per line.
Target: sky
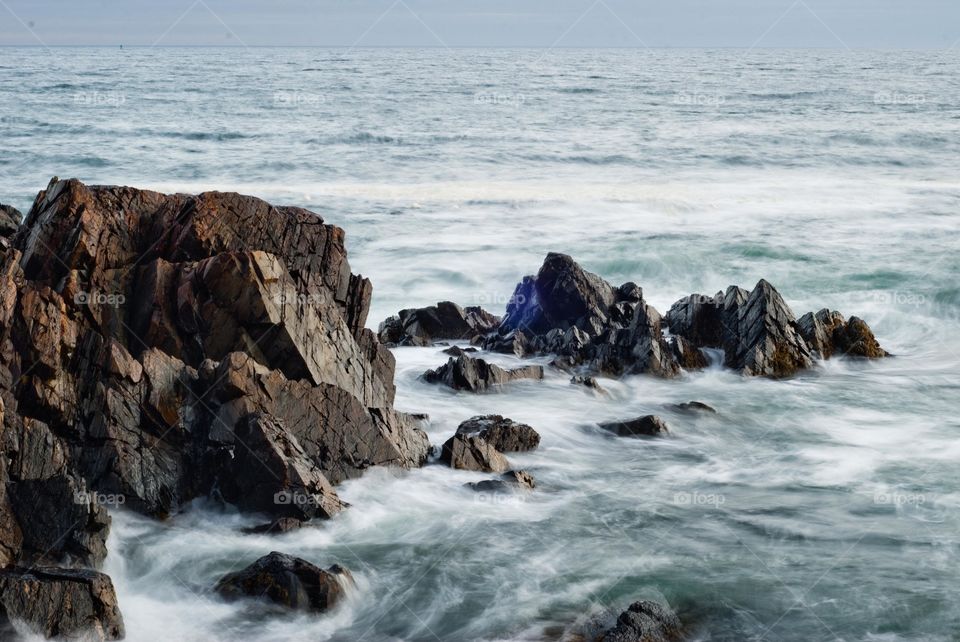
(484, 23)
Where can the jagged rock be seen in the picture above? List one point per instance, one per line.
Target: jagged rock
(693, 407)
(506, 435)
(647, 426)
(829, 334)
(510, 482)
(288, 581)
(645, 621)
(769, 341)
(476, 375)
(688, 355)
(465, 452)
(276, 527)
(445, 320)
(10, 220)
(270, 473)
(457, 351)
(59, 603)
(586, 322)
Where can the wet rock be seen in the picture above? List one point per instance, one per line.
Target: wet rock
(817, 330)
(288, 581)
(645, 621)
(276, 527)
(646, 426)
(476, 375)
(693, 407)
(446, 320)
(769, 341)
(465, 452)
(587, 382)
(506, 435)
(10, 220)
(688, 355)
(583, 320)
(829, 334)
(510, 482)
(457, 351)
(60, 603)
(856, 339)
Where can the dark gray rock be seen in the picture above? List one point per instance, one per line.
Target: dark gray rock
(769, 342)
(457, 351)
(465, 452)
(646, 426)
(446, 320)
(587, 382)
(289, 582)
(510, 482)
(276, 527)
(693, 407)
(829, 334)
(59, 603)
(506, 435)
(645, 621)
(476, 375)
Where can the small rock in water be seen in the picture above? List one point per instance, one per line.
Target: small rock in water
(457, 351)
(445, 320)
(509, 482)
(476, 375)
(465, 452)
(645, 621)
(276, 527)
(692, 407)
(58, 602)
(647, 426)
(289, 582)
(587, 382)
(506, 435)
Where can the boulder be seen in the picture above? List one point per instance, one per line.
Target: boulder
(645, 621)
(289, 582)
(828, 334)
(510, 482)
(443, 321)
(476, 375)
(457, 351)
(506, 435)
(586, 322)
(646, 426)
(465, 452)
(693, 407)
(60, 603)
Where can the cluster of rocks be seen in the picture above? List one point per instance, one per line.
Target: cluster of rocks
(158, 348)
(443, 321)
(479, 445)
(591, 326)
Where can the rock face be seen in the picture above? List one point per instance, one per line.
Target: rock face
(585, 321)
(445, 320)
(645, 621)
(647, 426)
(288, 581)
(62, 603)
(476, 375)
(760, 335)
(466, 452)
(157, 348)
(506, 435)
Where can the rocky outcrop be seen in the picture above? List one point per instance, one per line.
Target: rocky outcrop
(476, 375)
(646, 426)
(510, 482)
(506, 435)
(59, 603)
(574, 314)
(645, 621)
(465, 452)
(760, 335)
(288, 581)
(158, 348)
(443, 321)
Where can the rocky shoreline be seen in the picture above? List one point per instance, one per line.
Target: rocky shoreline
(155, 349)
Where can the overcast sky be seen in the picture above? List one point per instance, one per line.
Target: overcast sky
(460, 23)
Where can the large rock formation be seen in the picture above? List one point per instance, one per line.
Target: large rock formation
(443, 321)
(288, 581)
(569, 312)
(157, 348)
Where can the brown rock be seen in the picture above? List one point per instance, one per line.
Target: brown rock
(476, 375)
(466, 452)
(289, 582)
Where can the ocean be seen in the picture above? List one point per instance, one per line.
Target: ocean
(824, 507)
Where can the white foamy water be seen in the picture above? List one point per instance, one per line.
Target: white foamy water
(824, 507)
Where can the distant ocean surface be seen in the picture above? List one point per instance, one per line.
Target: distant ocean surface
(826, 507)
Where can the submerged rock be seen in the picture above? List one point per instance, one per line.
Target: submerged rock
(647, 426)
(288, 581)
(276, 527)
(466, 452)
(445, 320)
(476, 375)
(587, 382)
(645, 621)
(506, 435)
(510, 482)
(59, 603)
(693, 407)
